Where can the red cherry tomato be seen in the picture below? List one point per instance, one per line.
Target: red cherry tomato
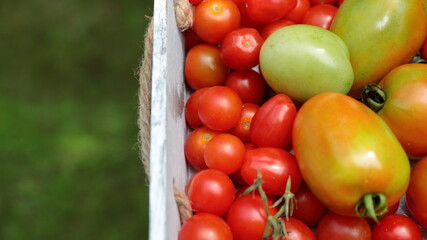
(396, 227)
(213, 19)
(225, 152)
(194, 146)
(195, 2)
(423, 50)
(245, 20)
(248, 84)
(270, 28)
(269, 10)
(240, 48)
(297, 230)
(242, 129)
(247, 217)
(320, 15)
(191, 109)
(316, 2)
(276, 166)
(204, 67)
(210, 191)
(308, 208)
(296, 14)
(272, 124)
(220, 108)
(416, 195)
(205, 226)
(191, 39)
(237, 176)
(337, 227)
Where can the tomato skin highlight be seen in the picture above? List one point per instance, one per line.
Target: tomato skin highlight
(416, 194)
(395, 29)
(276, 166)
(334, 133)
(272, 124)
(405, 109)
(203, 225)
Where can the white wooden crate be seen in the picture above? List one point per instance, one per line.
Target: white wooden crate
(168, 127)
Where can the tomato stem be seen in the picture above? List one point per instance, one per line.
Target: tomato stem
(374, 97)
(372, 205)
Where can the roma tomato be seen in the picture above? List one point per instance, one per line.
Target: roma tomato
(276, 166)
(205, 226)
(391, 44)
(247, 217)
(416, 194)
(348, 155)
(220, 108)
(191, 109)
(401, 101)
(269, 10)
(337, 227)
(213, 19)
(272, 124)
(225, 152)
(297, 13)
(270, 28)
(248, 84)
(243, 127)
(204, 67)
(210, 191)
(195, 144)
(308, 208)
(297, 230)
(396, 227)
(240, 48)
(320, 15)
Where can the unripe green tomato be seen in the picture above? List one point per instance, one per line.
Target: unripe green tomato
(302, 61)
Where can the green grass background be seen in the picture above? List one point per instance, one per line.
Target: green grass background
(69, 165)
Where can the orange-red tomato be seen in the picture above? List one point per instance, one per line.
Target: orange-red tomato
(297, 13)
(243, 127)
(191, 109)
(194, 146)
(213, 19)
(204, 67)
(416, 195)
(270, 28)
(320, 15)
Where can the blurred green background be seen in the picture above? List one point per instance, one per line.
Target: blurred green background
(69, 159)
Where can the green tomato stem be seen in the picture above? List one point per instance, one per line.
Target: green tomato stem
(372, 205)
(374, 97)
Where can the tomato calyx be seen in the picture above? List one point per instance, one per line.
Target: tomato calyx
(372, 205)
(374, 97)
(275, 227)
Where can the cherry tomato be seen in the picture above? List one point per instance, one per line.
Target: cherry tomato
(242, 129)
(204, 67)
(191, 109)
(237, 176)
(416, 195)
(195, 2)
(205, 226)
(270, 28)
(320, 15)
(213, 19)
(194, 146)
(337, 227)
(225, 152)
(308, 208)
(245, 20)
(269, 10)
(272, 124)
(248, 84)
(423, 50)
(276, 166)
(296, 14)
(297, 230)
(220, 108)
(396, 227)
(316, 2)
(247, 217)
(240, 48)
(191, 39)
(210, 191)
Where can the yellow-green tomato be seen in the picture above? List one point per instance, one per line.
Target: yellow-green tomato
(348, 155)
(380, 35)
(302, 61)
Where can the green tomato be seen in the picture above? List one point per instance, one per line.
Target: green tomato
(302, 61)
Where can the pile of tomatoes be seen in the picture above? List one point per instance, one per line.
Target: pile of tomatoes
(312, 147)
